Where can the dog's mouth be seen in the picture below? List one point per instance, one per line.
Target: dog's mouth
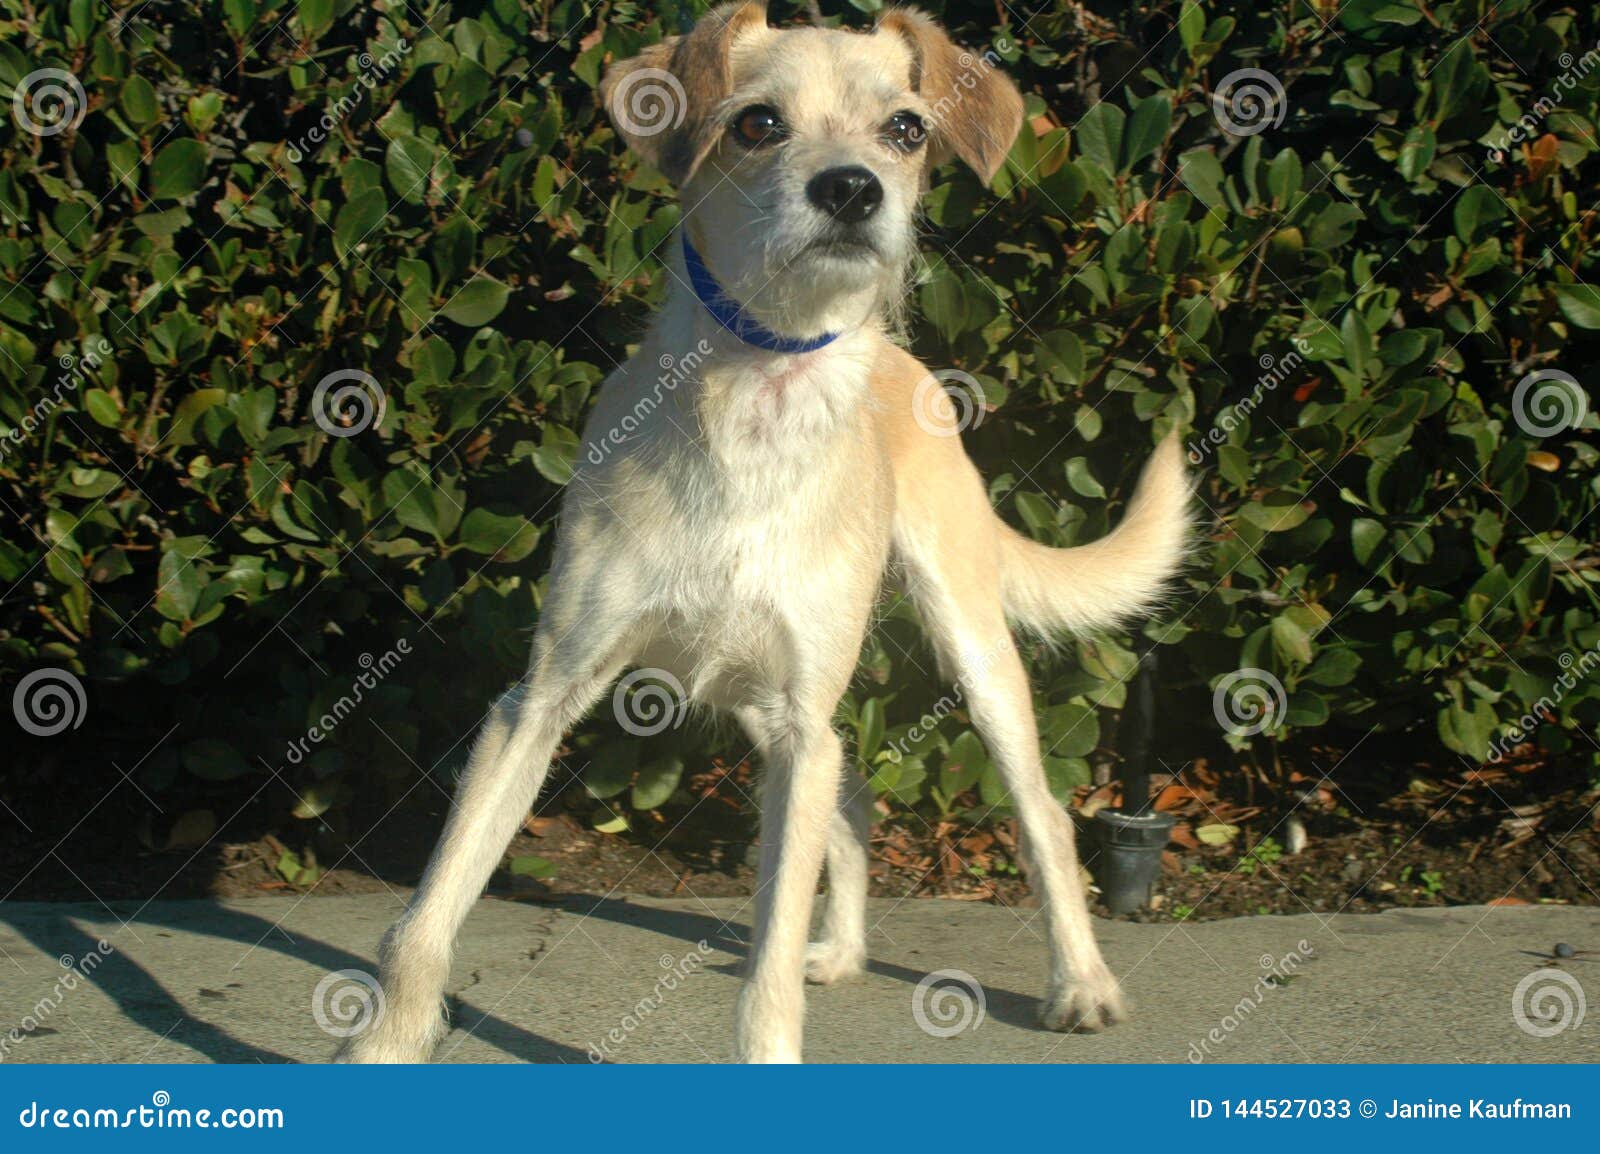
(844, 248)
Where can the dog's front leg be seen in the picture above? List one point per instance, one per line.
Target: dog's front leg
(803, 770)
(580, 648)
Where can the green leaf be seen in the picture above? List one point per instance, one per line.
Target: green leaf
(1081, 480)
(408, 163)
(1278, 517)
(1291, 640)
(1100, 136)
(1475, 210)
(178, 170)
(1366, 535)
(102, 408)
(1191, 24)
(657, 782)
(532, 866)
(506, 538)
(357, 218)
(1357, 341)
(477, 302)
(1146, 129)
(1417, 151)
(1580, 304)
(139, 101)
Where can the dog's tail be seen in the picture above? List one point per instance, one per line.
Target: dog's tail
(1106, 582)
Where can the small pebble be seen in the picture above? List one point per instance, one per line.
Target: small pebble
(1563, 950)
(524, 138)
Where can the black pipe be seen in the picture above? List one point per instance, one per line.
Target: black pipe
(1137, 734)
(1132, 837)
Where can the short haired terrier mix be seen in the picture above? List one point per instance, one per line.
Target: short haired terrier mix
(737, 537)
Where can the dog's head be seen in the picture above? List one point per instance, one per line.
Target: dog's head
(801, 153)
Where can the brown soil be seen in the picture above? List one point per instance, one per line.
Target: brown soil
(1477, 838)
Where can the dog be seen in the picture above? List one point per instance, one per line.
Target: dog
(736, 535)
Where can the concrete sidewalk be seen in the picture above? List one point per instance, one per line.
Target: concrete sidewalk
(625, 980)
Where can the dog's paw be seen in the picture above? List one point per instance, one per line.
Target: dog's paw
(391, 1044)
(1085, 1005)
(388, 1049)
(771, 1053)
(828, 962)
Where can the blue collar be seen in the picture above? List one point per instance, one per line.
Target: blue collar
(731, 315)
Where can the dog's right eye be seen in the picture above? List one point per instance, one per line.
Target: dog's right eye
(757, 125)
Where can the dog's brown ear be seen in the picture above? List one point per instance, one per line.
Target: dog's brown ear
(662, 101)
(976, 109)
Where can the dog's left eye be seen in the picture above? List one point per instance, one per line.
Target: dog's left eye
(905, 130)
(759, 124)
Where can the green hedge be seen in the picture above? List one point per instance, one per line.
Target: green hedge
(255, 217)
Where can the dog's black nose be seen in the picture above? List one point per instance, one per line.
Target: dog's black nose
(849, 194)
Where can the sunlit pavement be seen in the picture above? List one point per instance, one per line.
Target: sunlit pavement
(626, 980)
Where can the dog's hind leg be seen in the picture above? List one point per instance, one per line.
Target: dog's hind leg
(579, 650)
(953, 575)
(840, 951)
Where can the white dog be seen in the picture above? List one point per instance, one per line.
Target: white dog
(737, 536)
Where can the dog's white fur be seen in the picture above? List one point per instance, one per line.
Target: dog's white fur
(738, 537)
